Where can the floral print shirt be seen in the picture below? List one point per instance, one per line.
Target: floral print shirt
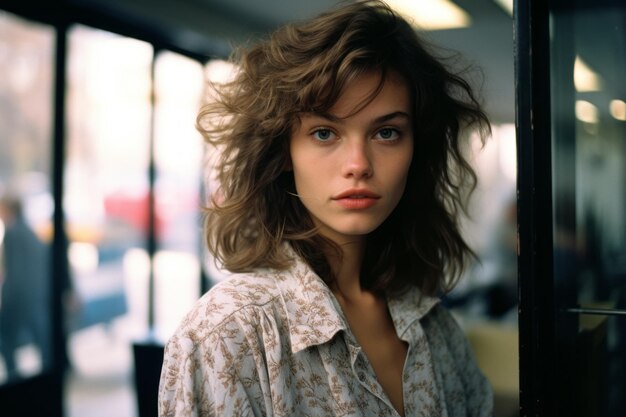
(276, 343)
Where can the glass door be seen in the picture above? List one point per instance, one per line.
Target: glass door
(587, 60)
(571, 102)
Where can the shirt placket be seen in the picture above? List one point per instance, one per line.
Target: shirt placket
(421, 391)
(364, 373)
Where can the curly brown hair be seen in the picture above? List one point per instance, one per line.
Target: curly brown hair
(304, 67)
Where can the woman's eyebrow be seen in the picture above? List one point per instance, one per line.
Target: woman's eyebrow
(391, 116)
(380, 119)
(327, 116)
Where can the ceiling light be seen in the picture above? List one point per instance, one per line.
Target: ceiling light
(618, 109)
(585, 79)
(586, 112)
(432, 14)
(507, 5)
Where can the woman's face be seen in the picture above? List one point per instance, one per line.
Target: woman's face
(351, 169)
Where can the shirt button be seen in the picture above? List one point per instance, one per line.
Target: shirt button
(361, 376)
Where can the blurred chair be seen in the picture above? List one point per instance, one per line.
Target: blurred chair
(496, 347)
(148, 356)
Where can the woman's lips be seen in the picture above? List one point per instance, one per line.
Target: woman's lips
(355, 199)
(356, 203)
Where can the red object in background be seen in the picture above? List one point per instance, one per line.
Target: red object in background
(132, 209)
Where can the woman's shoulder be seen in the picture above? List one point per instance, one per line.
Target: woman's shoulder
(226, 303)
(445, 322)
(240, 289)
(454, 361)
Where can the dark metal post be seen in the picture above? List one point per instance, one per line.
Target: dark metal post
(60, 266)
(534, 191)
(151, 238)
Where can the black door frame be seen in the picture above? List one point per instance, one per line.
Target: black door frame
(537, 348)
(548, 306)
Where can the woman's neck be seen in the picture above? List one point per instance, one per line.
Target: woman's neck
(347, 270)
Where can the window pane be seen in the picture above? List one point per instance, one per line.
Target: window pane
(26, 62)
(178, 158)
(106, 201)
(589, 186)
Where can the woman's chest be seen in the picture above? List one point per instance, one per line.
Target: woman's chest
(337, 378)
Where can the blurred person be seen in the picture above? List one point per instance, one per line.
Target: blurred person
(342, 180)
(24, 288)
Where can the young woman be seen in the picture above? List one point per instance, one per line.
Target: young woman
(342, 178)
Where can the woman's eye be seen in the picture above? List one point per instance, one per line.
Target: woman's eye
(323, 134)
(388, 133)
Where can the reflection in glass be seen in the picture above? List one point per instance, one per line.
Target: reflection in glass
(26, 52)
(178, 152)
(589, 183)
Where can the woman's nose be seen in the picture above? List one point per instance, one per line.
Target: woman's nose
(357, 161)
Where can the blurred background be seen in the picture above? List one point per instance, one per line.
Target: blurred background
(102, 178)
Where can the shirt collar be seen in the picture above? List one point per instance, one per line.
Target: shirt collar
(408, 307)
(314, 315)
